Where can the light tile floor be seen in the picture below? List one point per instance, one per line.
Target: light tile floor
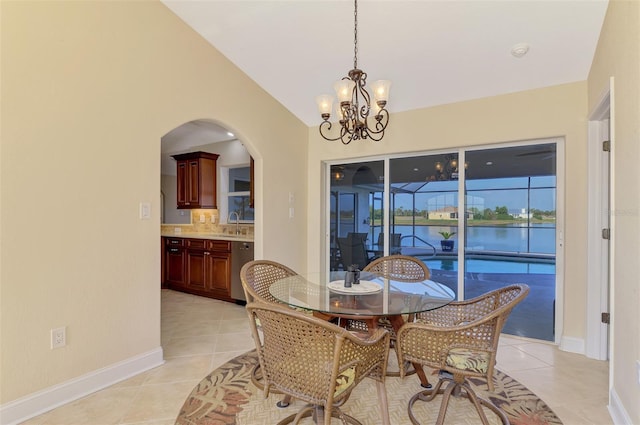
(199, 334)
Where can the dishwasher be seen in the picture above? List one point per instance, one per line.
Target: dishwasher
(241, 253)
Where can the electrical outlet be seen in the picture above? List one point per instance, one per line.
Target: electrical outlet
(58, 337)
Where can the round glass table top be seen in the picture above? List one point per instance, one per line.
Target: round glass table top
(375, 295)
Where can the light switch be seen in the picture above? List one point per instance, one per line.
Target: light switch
(145, 210)
(291, 212)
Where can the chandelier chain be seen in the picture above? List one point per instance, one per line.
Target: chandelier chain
(358, 117)
(355, 35)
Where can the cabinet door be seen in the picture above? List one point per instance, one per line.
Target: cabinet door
(182, 181)
(196, 269)
(220, 273)
(193, 183)
(174, 261)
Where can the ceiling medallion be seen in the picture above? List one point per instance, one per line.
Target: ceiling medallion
(354, 103)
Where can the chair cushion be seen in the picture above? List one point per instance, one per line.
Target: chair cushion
(465, 359)
(345, 380)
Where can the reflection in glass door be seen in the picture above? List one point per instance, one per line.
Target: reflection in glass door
(355, 205)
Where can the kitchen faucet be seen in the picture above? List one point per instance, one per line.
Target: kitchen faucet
(237, 220)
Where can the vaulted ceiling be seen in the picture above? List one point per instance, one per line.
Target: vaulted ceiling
(434, 51)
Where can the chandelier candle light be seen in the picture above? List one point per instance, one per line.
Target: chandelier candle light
(354, 103)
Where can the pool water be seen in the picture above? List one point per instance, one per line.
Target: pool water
(474, 265)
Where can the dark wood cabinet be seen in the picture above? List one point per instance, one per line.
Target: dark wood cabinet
(205, 268)
(174, 261)
(196, 180)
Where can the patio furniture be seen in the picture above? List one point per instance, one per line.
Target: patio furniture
(394, 242)
(316, 361)
(461, 340)
(353, 250)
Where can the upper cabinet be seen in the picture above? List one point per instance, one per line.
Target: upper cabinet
(196, 180)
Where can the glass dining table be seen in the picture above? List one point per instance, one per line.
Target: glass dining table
(374, 297)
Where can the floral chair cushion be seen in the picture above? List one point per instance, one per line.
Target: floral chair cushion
(466, 359)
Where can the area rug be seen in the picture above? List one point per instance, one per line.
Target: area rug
(227, 397)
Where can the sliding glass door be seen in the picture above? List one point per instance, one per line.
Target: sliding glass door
(511, 230)
(480, 219)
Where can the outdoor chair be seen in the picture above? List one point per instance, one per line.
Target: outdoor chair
(394, 243)
(461, 340)
(316, 361)
(353, 250)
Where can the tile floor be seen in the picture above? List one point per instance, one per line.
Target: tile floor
(199, 334)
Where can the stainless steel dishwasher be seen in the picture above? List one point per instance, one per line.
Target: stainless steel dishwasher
(241, 253)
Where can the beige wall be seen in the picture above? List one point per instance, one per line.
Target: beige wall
(618, 56)
(548, 112)
(88, 90)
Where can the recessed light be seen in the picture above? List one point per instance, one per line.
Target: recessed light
(230, 134)
(416, 169)
(489, 163)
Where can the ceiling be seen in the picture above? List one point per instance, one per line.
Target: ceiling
(434, 52)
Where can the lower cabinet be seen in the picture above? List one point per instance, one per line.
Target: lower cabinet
(206, 268)
(174, 262)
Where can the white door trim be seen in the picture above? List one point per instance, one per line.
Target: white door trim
(598, 251)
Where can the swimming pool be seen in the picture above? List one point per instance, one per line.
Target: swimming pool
(507, 265)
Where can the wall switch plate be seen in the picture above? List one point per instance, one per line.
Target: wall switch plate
(291, 212)
(202, 220)
(145, 210)
(58, 337)
(292, 197)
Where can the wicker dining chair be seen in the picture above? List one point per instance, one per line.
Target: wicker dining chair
(461, 340)
(398, 267)
(256, 277)
(316, 361)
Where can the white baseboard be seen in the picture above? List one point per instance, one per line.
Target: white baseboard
(617, 411)
(42, 401)
(572, 345)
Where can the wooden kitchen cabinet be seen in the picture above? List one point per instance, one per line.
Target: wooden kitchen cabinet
(206, 268)
(174, 262)
(196, 180)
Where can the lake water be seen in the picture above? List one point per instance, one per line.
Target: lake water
(539, 238)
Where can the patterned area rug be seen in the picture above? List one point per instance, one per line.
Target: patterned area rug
(227, 397)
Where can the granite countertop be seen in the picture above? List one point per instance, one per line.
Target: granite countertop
(211, 236)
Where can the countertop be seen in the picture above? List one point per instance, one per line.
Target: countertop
(211, 236)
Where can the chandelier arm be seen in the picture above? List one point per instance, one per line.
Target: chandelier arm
(382, 120)
(327, 126)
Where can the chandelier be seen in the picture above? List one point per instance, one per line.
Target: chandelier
(447, 170)
(354, 103)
